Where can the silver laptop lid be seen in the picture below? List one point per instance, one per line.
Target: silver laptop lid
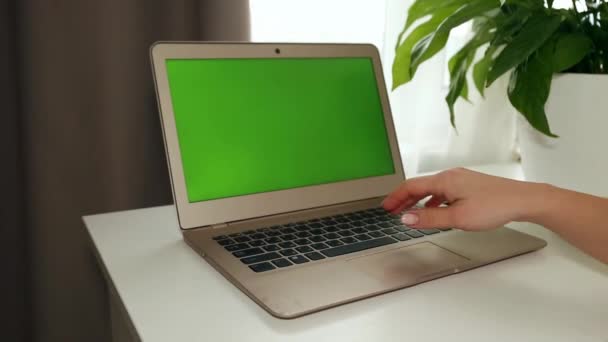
(254, 130)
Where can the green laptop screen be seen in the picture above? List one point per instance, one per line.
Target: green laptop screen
(249, 126)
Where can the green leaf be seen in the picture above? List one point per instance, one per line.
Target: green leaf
(422, 8)
(461, 62)
(430, 45)
(529, 88)
(481, 68)
(508, 24)
(458, 81)
(403, 55)
(570, 50)
(533, 34)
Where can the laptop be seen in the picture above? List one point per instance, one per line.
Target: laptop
(280, 156)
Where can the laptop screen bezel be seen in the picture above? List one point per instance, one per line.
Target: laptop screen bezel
(225, 210)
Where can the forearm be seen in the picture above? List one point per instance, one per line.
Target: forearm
(579, 218)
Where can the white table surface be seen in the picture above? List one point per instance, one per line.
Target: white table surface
(171, 294)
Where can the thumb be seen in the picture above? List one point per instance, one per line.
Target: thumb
(441, 217)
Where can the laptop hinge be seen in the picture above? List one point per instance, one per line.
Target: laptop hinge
(219, 225)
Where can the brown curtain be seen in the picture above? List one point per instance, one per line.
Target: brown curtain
(80, 135)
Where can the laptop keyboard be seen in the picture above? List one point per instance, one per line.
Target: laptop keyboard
(281, 246)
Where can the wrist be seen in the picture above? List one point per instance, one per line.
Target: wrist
(536, 201)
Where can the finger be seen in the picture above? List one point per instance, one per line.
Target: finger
(435, 201)
(412, 191)
(443, 217)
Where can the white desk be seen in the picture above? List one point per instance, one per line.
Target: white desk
(168, 293)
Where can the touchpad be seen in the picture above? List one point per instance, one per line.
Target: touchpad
(409, 264)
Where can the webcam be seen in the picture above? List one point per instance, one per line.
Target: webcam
(277, 51)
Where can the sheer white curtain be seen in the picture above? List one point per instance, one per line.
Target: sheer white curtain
(486, 129)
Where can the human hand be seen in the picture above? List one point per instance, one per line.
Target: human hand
(473, 201)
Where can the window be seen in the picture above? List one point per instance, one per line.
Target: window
(322, 21)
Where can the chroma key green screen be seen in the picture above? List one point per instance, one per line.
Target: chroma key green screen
(248, 126)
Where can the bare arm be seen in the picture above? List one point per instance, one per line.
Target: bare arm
(476, 201)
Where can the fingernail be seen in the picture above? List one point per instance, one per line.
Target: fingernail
(409, 219)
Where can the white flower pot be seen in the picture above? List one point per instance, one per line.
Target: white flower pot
(577, 110)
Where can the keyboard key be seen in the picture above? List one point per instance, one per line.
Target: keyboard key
(249, 232)
(331, 236)
(348, 240)
(401, 229)
(319, 246)
(247, 252)
(445, 229)
(234, 235)
(315, 225)
(288, 231)
(289, 237)
(303, 235)
(288, 252)
(389, 231)
(317, 238)
(375, 234)
(330, 223)
(357, 247)
(346, 233)
(314, 256)
(238, 246)
(242, 239)
(271, 248)
(281, 263)
(301, 228)
(273, 233)
(318, 231)
(359, 230)
(262, 230)
(258, 236)
(272, 240)
(257, 243)
(372, 227)
(344, 226)
(298, 259)
(414, 233)
(363, 237)
(263, 267)
(429, 231)
(385, 224)
(370, 221)
(287, 244)
(342, 220)
(358, 224)
(335, 243)
(304, 249)
(302, 242)
(261, 258)
(331, 229)
(226, 242)
(402, 237)
(220, 237)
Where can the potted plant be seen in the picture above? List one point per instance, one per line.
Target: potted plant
(557, 59)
